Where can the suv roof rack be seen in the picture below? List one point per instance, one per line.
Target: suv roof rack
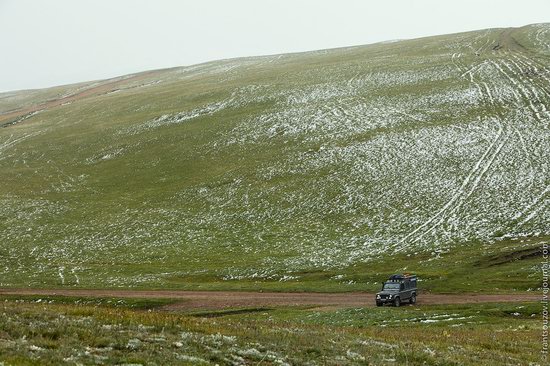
(402, 277)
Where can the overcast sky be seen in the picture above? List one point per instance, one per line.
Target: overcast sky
(46, 43)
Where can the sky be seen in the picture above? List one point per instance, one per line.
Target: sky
(55, 42)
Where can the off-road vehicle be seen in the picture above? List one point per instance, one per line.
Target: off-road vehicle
(398, 289)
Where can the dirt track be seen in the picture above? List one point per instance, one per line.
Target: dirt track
(102, 87)
(188, 300)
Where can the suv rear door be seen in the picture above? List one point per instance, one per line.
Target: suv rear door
(405, 290)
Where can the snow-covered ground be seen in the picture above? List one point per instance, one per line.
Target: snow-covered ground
(400, 147)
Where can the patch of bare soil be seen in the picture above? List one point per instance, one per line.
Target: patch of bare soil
(211, 300)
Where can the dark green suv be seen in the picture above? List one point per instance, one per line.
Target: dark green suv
(398, 289)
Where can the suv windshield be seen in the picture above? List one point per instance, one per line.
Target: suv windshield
(391, 286)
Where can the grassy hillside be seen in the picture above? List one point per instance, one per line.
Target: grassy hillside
(316, 171)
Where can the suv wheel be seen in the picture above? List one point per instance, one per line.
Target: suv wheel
(397, 302)
(413, 299)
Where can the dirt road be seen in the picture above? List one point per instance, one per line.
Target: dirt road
(99, 88)
(187, 300)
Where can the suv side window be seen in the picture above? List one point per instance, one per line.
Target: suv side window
(402, 287)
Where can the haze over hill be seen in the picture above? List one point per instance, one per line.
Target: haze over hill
(314, 167)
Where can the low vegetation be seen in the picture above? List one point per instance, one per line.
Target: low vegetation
(317, 171)
(57, 332)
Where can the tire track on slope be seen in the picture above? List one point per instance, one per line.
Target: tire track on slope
(456, 62)
(530, 93)
(530, 72)
(526, 92)
(480, 171)
(533, 208)
(474, 177)
(539, 35)
(14, 141)
(522, 93)
(473, 69)
(533, 75)
(463, 71)
(517, 131)
(525, 89)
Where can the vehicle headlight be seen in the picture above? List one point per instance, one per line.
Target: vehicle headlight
(377, 296)
(390, 296)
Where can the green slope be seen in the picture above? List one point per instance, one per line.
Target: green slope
(316, 171)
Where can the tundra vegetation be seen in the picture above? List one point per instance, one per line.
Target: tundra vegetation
(317, 171)
(56, 331)
(303, 171)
